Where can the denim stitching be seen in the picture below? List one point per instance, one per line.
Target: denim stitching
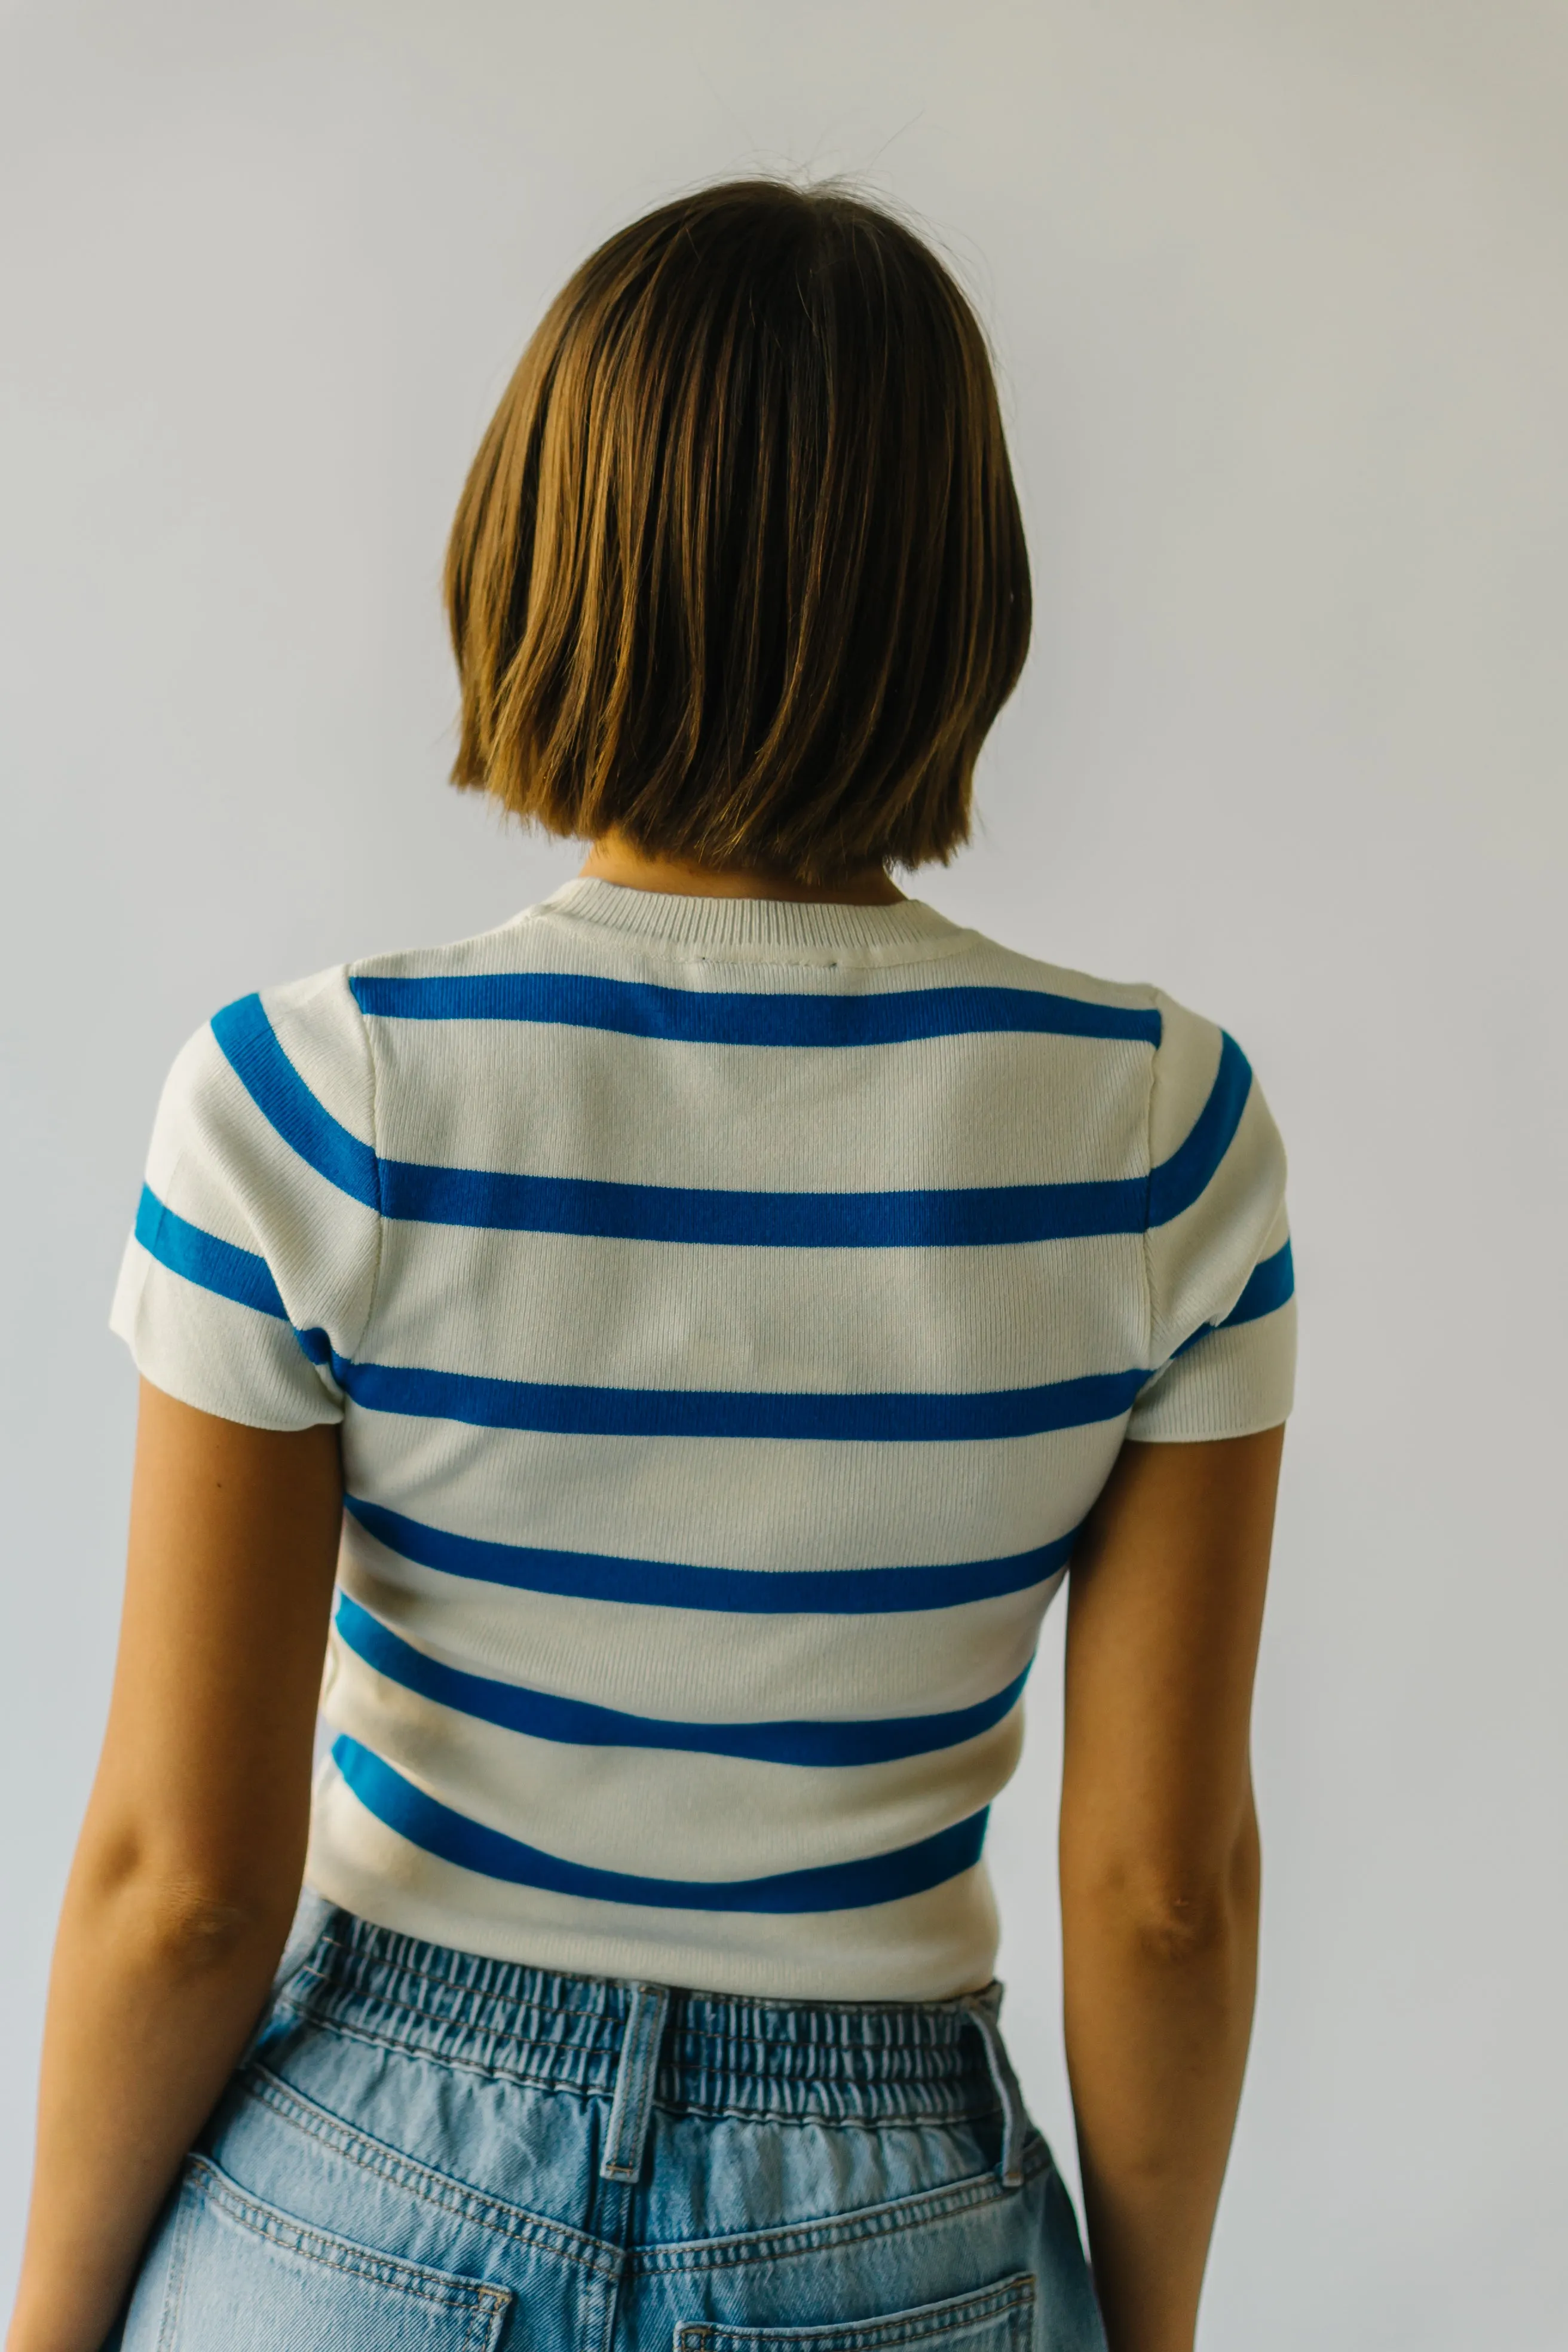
(482, 2302)
(625, 2128)
(352, 2031)
(517, 2225)
(876, 2221)
(512, 2222)
(1008, 2301)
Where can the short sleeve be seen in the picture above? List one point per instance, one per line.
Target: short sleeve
(1221, 1283)
(251, 1271)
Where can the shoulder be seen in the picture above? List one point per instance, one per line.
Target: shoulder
(1197, 1082)
(987, 962)
(317, 1024)
(277, 1050)
(1175, 1029)
(524, 940)
(1188, 1046)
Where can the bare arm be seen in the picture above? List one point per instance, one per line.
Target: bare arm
(1160, 1861)
(189, 1862)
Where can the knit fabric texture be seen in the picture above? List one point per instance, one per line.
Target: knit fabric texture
(733, 1309)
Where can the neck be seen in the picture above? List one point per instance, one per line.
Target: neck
(612, 858)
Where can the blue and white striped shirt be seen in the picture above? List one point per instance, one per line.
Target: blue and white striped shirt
(733, 1308)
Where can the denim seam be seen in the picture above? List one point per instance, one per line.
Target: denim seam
(837, 2229)
(636, 2071)
(904, 2119)
(439, 2289)
(512, 2222)
(518, 2227)
(495, 2072)
(1010, 2301)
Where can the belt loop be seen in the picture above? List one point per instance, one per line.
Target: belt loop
(983, 2008)
(634, 2077)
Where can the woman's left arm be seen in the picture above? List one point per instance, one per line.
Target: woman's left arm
(189, 1863)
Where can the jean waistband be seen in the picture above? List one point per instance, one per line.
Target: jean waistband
(874, 2062)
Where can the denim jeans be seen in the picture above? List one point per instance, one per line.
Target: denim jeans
(423, 2150)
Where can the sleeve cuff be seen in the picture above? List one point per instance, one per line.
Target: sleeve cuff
(1229, 1383)
(215, 1353)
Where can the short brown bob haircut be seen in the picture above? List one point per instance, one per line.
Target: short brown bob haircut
(739, 569)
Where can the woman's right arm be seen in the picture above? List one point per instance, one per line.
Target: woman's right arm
(1160, 1861)
(189, 1861)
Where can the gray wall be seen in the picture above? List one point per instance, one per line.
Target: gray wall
(1280, 295)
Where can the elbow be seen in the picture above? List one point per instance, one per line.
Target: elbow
(1184, 1924)
(167, 1920)
(1172, 1911)
(183, 1930)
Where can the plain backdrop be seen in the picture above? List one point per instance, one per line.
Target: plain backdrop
(1278, 296)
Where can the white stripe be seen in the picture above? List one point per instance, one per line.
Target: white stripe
(700, 1664)
(321, 1029)
(935, 1112)
(923, 1947)
(214, 1354)
(1185, 1071)
(760, 1503)
(661, 1813)
(1239, 1380)
(620, 1314)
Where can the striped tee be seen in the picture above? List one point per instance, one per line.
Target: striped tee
(733, 1308)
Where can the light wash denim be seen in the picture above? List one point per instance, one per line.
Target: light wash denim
(425, 2150)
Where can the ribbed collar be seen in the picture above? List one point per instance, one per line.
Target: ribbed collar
(785, 929)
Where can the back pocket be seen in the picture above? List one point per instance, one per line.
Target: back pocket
(244, 2277)
(995, 2319)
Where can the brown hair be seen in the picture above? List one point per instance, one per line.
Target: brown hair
(738, 569)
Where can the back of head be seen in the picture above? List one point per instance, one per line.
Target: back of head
(739, 569)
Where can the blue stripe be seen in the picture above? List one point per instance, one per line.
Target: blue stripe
(673, 1584)
(721, 1017)
(1177, 1182)
(836, 1886)
(1268, 1287)
(250, 1046)
(977, 1216)
(542, 1715)
(974, 1216)
(241, 1275)
(898, 1419)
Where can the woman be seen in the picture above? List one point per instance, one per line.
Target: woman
(692, 1326)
